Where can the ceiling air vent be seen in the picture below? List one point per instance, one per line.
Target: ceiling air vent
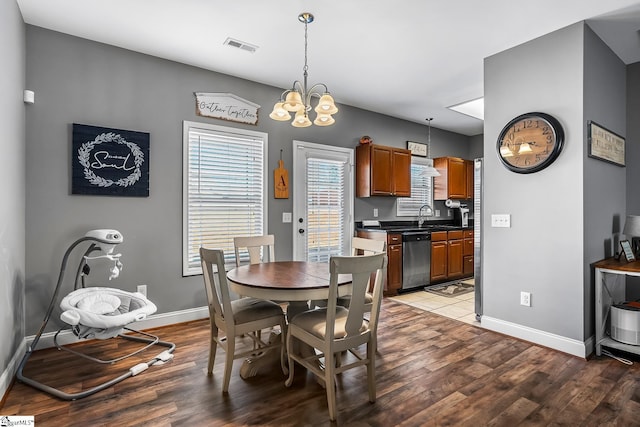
(240, 45)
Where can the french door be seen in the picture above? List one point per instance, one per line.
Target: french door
(322, 201)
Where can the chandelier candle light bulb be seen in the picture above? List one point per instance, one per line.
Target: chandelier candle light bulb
(298, 98)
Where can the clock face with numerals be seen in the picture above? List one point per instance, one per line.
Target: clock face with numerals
(530, 142)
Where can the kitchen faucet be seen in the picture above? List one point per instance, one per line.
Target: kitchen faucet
(420, 217)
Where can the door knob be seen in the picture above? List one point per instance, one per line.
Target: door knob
(301, 230)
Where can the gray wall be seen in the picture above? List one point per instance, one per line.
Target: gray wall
(633, 138)
(542, 251)
(560, 217)
(633, 157)
(604, 184)
(12, 172)
(78, 81)
(476, 146)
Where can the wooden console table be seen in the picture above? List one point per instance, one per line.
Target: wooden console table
(612, 293)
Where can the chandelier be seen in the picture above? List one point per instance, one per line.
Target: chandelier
(298, 98)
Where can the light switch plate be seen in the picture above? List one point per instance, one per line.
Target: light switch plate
(501, 220)
(286, 216)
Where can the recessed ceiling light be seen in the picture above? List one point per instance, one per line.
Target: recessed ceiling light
(240, 45)
(474, 108)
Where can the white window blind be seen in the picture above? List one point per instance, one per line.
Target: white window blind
(224, 189)
(421, 189)
(325, 206)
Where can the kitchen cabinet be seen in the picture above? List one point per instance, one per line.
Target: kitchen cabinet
(454, 254)
(394, 265)
(451, 255)
(394, 254)
(438, 256)
(469, 165)
(467, 254)
(455, 180)
(382, 171)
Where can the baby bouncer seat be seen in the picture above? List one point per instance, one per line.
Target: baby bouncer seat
(98, 313)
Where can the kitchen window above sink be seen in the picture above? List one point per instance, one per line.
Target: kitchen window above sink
(421, 189)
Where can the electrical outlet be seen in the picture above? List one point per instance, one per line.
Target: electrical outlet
(142, 289)
(437, 213)
(525, 299)
(286, 217)
(375, 212)
(448, 212)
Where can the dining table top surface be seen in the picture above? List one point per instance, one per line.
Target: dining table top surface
(285, 275)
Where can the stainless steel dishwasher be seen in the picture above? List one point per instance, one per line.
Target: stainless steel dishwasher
(416, 259)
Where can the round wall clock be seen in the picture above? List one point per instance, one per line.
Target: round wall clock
(530, 142)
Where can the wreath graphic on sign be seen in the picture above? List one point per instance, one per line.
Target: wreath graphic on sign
(84, 153)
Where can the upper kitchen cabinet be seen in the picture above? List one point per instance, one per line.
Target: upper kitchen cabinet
(382, 171)
(455, 180)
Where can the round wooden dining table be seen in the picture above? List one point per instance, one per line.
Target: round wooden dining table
(295, 282)
(292, 281)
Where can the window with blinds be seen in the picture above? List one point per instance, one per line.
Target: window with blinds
(421, 189)
(325, 208)
(224, 189)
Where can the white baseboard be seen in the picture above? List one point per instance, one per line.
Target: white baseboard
(67, 337)
(556, 342)
(7, 376)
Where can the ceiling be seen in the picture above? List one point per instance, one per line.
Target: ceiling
(410, 59)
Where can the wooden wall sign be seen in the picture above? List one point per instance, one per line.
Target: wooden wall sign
(281, 181)
(226, 106)
(112, 162)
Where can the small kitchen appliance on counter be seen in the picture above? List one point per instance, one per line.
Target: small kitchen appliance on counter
(460, 212)
(625, 322)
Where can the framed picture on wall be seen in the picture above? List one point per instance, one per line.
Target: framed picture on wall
(605, 145)
(109, 162)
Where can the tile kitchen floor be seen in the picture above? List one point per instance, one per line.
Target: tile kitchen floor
(458, 307)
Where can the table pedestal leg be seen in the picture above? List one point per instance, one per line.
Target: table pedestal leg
(265, 359)
(262, 361)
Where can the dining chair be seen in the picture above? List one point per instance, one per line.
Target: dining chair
(254, 246)
(362, 246)
(244, 316)
(335, 329)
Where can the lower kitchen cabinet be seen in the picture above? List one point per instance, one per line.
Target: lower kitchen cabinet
(438, 256)
(454, 254)
(451, 255)
(467, 254)
(394, 266)
(394, 254)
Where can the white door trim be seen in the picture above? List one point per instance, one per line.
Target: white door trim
(300, 150)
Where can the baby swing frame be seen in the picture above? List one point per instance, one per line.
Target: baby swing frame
(103, 240)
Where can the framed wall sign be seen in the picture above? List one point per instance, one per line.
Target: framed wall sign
(418, 148)
(605, 145)
(111, 162)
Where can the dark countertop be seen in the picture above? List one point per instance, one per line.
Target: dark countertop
(412, 226)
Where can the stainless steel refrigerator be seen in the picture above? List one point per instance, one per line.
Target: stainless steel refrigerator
(477, 235)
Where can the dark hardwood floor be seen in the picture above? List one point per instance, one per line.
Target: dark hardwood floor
(431, 371)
